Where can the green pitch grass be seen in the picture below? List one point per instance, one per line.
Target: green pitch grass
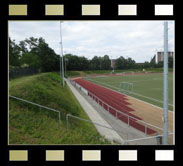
(147, 87)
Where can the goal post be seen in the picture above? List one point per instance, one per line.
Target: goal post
(126, 87)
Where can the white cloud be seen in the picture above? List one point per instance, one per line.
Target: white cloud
(136, 39)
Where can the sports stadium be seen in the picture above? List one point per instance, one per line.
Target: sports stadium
(133, 98)
(101, 91)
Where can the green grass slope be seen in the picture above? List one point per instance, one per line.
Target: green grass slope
(29, 124)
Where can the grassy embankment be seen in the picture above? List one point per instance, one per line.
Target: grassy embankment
(29, 124)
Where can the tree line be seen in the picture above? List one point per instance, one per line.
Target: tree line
(36, 53)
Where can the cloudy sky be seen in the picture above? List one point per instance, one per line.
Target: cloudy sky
(136, 39)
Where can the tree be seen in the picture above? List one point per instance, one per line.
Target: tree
(32, 42)
(47, 56)
(83, 63)
(23, 47)
(121, 63)
(147, 64)
(38, 55)
(153, 61)
(130, 63)
(160, 64)
(96, 63)
(170, 61)
(30, 60)
(14, 53)
(105, 62)
(73, 62)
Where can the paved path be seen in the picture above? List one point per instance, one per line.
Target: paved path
(94, 116)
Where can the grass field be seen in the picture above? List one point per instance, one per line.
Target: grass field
(147, 87)
(29, 124)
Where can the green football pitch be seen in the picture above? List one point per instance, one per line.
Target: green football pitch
(146, 87)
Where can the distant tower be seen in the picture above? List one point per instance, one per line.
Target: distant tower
(160, 55)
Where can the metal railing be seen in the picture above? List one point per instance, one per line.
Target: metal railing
(76, 117)
(41, 106)
(97, 124)
(128, 116)
(82, 119)
(145, 124)
(158, 137)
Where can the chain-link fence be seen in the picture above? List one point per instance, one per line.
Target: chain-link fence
(21, 71)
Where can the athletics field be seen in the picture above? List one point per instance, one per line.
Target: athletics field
(146, 87)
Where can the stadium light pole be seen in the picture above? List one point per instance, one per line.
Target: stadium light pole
(61, 47)
(60, 65)
(165, 96)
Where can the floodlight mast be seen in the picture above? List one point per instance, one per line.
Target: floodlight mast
(60, 65)
(61, 47)
(165, 134)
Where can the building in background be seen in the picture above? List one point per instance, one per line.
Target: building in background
(160, 55)
(113, 62)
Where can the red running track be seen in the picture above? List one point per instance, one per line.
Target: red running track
(116, 100)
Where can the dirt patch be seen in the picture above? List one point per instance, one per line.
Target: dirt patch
(152, 114)
(75, 78)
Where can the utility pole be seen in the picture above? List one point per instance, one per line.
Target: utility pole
(165, 134)
(61, 47)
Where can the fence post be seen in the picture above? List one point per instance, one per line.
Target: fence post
(145, 129)
(159, 139)
(128, 121)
